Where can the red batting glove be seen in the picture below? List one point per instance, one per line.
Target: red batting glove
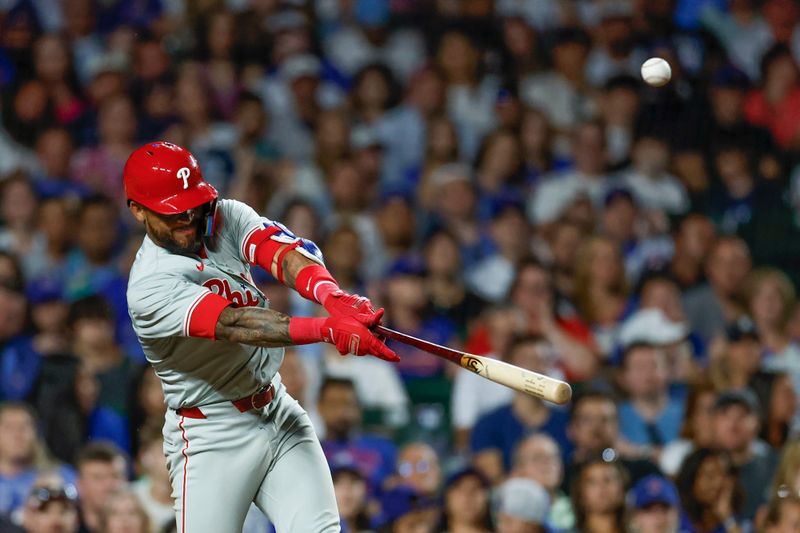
(350, 334)
(340, 303)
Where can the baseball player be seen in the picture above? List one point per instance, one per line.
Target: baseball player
(232, 434)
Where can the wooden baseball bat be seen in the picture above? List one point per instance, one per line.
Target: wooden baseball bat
(533, 383)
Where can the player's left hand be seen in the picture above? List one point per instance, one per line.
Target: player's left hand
(341, 303)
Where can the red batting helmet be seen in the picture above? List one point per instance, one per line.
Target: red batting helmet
(166, 178)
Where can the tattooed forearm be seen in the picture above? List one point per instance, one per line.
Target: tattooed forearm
(253, 326)
(294, 262)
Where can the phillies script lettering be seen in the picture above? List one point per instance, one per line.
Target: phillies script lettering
(222, 287)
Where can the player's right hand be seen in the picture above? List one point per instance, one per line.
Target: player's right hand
(351, 335)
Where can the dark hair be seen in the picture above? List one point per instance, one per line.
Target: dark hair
(393, 89)
(99, 452)
(687, 475)
(777, 51)
(588, 396)
(91, 307)
(696, 390)
(524, 264)
(17, 283)
(97, 200)
(485, 520)
(521, 340)
(578, 500)
(331, 381)
(763, 384)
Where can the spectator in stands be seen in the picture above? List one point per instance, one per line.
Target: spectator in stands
(406, 306)
(54, 69)
(454, 208)
(588, 177)
(340, 410)
(351, 490)
(774, 105)
(22, 455)
(102, 469)
(714, 304)
(51, 506)
(779, 400)
(594, 431)
(661, 321)
(656, 190)
(90, 268)
(532, 294)
(45, 259)
(403, 510)
(99, 168)
(787, 480)
(562, 92)
(124, 513)
(711, 496)
(507, 240)
(418, 467)
(153, 488)
(649, 417)
(217, 38)
(18, 209)
(522, 506)
(498, 432)
(55, 149)
(735, 359)
(536, 141)
(91, 322)
(619, 105)
(449, 295)
(20, 360)
(782, 514)
(693, 240)
(538, 458)
(397, 224)
(736, 424)
(770, 300)
(598, 496)
(466, 503)
(656, 506)
(147, 407)
(441, 149)
(696, 430)
(498, 169)
(471, 91)
(601, 290)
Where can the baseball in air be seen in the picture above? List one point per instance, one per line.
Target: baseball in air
(656, 72)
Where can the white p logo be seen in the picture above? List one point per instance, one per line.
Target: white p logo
(183, 174)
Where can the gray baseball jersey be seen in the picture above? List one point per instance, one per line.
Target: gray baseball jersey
(175, 300)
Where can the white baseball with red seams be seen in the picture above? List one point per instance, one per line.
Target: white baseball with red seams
(656, 72)
(221, 462)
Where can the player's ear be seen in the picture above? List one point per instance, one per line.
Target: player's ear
(136, 210)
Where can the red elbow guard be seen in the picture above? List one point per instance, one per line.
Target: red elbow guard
(315, 283)
(268, 251)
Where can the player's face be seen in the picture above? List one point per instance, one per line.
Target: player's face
(181, 233)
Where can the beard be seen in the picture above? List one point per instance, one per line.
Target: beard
(166, 240)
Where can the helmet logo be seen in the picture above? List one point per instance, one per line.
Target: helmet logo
(183, 174)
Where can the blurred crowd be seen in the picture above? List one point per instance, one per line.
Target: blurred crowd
(495, 175)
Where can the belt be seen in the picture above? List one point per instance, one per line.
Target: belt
(255, 401)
